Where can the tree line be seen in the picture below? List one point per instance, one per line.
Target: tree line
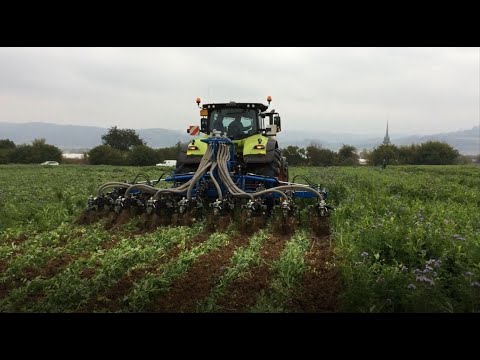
(125, 147)
(119, 147)
(36, 152)
(315, 155)
(428, 153)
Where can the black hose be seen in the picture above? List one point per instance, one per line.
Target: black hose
(304, 178)
(140, 174)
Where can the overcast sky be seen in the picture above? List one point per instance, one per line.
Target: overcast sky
(354, 90)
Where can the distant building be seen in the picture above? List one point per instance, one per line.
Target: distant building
(386, 139)
(72, 156)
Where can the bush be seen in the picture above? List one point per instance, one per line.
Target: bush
(106, 155)
(347, 156)
(142, 155)
(436, 153)
(36, 153)
(316, 156)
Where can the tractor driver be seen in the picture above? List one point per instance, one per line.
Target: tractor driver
(236, 128)
(218, 123)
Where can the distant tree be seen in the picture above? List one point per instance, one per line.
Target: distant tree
(316, 156)
(7, 144)
(170, 153)
(436, 153)
(45, 152)
(347, 156)
(106, 155)
(122, 139)
(407, 154)
(6, 148)
(142, 155)
(389, 153)
(294, 155)
(36, 153)
(22, 154)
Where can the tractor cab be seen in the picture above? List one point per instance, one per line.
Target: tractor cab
(238, 120)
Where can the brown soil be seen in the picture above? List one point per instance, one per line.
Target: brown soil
(285, 227)
(321, 284)
(320, 226)
(218, 223)
(52, 267)
(242, 293)
(3, 286)
(112, 297)
(186, 219)
(4, 289)
(149, 223)
(251, 225)
(115, 220)
(185, 293)
(87, 273)
(107, 245)
(22, 238)
(88, 217)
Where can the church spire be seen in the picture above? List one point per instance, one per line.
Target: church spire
(386, 139)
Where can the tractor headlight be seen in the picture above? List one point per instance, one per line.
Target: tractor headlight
(259, 147)
(193, 147)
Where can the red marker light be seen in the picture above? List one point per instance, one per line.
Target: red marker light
(198, 101)
(269, 98)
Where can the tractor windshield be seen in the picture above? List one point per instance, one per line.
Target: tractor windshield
(238, 123)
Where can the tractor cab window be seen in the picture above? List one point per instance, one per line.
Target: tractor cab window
(237, 123)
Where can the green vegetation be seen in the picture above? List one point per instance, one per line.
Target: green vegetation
(35, 153)
(405, 239)
(428, 153)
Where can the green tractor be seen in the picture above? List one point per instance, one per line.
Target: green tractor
(250, 127)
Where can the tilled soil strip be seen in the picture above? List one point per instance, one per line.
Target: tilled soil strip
(111, 299)
(185, 293)
(53, 267)
(321, 284)
(242, 293)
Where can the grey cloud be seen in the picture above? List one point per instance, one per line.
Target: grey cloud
(420, 90)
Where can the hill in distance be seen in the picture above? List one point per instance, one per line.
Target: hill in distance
(76, 137)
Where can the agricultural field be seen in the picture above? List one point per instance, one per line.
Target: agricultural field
(402, 239)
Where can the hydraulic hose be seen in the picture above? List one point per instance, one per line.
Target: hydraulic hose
(215, 182)
(112, 184)
(298, 187)
(272, 190)
(196, 178)
(223, 156)
(143, 187)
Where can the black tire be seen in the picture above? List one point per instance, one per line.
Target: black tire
(183, 168)
(284, 175)
(271, 169)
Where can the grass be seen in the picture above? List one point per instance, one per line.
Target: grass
(406, 239)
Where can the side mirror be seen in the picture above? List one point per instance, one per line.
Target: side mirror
(277, 122)
(204, 125)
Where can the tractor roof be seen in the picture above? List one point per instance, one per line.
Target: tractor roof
(232, 104)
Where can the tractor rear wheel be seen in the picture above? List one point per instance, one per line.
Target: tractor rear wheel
(272, 168)
(183, 168)
(284, 176)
